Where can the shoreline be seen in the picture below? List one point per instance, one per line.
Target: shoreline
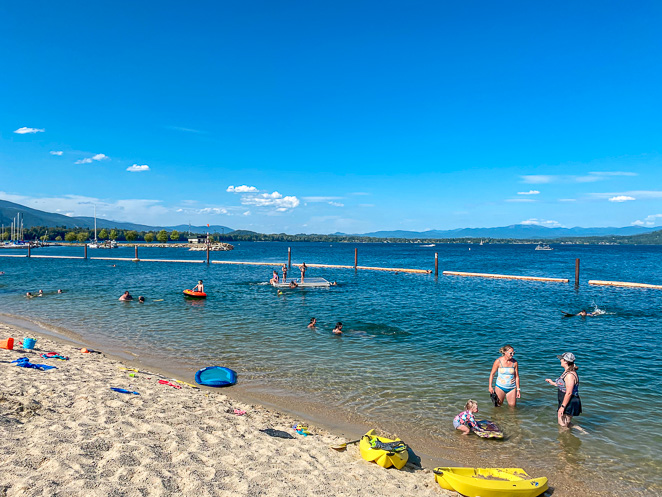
(333, 422)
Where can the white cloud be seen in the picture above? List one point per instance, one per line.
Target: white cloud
(274, 199)
(543, 222)
(138, 169)
(241, 189)
(24, 130)
(336, 204)
(247, 213)
(96, 157)
(621, 198)
(56, 152)
(359, 193)
(591, 177)
(538, 178)
(567, 200)
(320, 199)
(187, 130)
(530, 192)
(213, 210)
(613, 173)
(520, 200)
(648, 221)
(366, 205)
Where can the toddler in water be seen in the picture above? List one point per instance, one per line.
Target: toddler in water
(465, 421)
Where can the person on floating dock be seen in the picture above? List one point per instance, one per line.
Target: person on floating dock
(313, 323)
(126, 297)
(303, 268)
(199, 287)
(274, 277)
(293, 284)
(338, 329)
(284, 273)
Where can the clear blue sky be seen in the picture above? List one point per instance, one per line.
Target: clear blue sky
(347, 116)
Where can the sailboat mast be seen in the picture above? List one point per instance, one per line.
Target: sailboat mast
(95, 224)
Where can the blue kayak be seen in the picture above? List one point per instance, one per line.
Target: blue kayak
(216, 376)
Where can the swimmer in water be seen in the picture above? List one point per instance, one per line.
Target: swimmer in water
(29, 295)
(126, 297)
(584, 314)
(141, 299)
(338, 329)
(313, 323)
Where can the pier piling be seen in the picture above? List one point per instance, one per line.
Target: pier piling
(207, 253)
(289, 258)
(29, 250)
(577, 272)
(85, 255)
(135, 259)
(436, 264)
(356, 258)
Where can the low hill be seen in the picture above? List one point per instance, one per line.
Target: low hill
(35, 217)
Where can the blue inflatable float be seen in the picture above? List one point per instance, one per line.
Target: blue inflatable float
(216, 376)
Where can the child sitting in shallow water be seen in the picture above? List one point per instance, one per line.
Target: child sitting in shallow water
(465, 421)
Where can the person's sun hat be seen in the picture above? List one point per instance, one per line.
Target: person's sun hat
(567, 357)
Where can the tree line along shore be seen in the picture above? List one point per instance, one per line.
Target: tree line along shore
(63, 234)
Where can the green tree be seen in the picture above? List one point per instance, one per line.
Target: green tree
(162, 236)
(211, 239)
(149, 237)
(44, 238)
(70, 236)
(5, 235)
(174, 236)
(58, 238)
(130, 236)
(103, 234)
(114, 234)
(83, 236)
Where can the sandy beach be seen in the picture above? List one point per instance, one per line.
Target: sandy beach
(65, 432)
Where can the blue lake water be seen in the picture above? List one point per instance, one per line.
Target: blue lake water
(415, 347)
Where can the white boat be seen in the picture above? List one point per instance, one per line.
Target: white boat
(543, 246)
(429, 245)
(94, 245)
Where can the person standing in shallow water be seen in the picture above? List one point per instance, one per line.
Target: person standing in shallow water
(507, 382)
(568, 395)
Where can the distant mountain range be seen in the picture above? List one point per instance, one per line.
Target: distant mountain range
(34, 217)
(515, 231)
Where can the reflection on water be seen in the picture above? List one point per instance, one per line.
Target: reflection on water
(415, 348)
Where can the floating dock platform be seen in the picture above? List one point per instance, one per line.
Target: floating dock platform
(307, 283)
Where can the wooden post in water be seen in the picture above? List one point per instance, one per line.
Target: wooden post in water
(136, 257)
(28, 250)
(207, 253)
(436, 264)
(356, 258)
(289, 258)
(577, 272)
(85, 256)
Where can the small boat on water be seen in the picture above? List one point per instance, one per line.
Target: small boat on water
(543, 246)
(490, 482)
(383, 451)
(195, 295)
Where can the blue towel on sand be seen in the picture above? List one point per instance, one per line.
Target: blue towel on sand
(24, 362)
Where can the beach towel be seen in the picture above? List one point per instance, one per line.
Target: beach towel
(54, 355)
(375, 443)
(24, 362)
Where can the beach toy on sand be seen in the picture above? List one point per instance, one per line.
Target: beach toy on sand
(24, 362)
(166, 382)
(54, 355)
(301, 429)
(474, 482)
(383, 451)
(216, 376)
(7, 344)
(29, 343)
(343, 446)
(123, 390)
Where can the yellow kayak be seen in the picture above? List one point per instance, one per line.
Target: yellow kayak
(394, 456)
(472, 483)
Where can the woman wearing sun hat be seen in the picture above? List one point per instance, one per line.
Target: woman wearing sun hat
(568, 384)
